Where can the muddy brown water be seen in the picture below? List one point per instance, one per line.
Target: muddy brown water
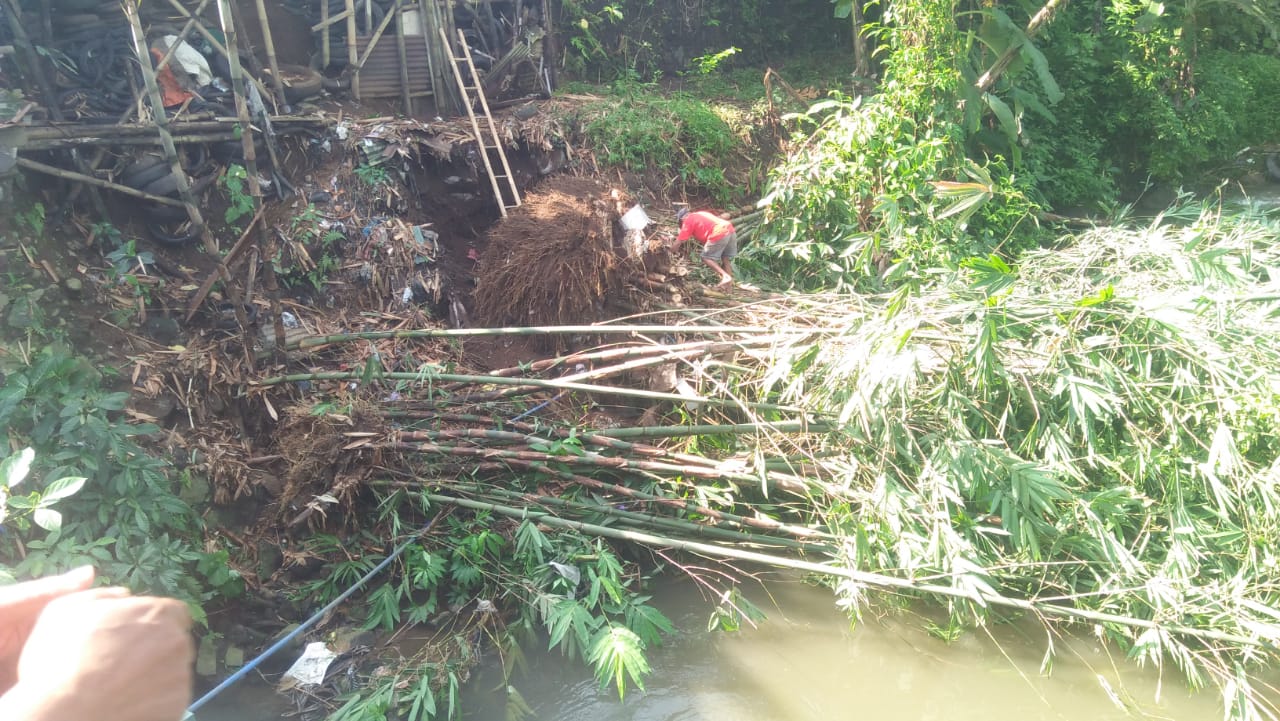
(806, 661)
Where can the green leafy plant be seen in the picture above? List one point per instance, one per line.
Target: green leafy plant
(35, 506)
(31, 219)
(239, 198)
(372, 175)
(126, 518)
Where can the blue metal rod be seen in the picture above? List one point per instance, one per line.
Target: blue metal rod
(305, 624)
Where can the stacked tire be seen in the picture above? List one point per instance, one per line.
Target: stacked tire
(168, 224)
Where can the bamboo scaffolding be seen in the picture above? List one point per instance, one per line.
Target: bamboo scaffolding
(406, 92)
(325, 59)
(265, 238)
(377, 35)
(269, 45)
(96, 182)
(351, 49)
(873, 580)
(36, 67)
(180, 176)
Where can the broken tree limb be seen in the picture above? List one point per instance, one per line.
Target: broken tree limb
(1043, 16)
(95, 182)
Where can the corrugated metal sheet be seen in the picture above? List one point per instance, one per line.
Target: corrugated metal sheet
(380, 76)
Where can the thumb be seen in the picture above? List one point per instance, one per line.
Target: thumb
(20, 606)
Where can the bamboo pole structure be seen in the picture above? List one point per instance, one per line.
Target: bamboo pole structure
(351, 49)
(866, 578)
(213, 40)
(325, 59)
(35, 66)
(312, 341)
(181, 36)
(96, 182)
(269, 45)
(265, 238)
(377, 35)
(406, 92)
(180, 176)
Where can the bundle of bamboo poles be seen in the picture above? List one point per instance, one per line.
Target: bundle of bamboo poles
(530, 418)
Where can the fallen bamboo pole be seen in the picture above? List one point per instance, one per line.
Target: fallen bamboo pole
(180, 176)
(791, 485)
(723, 518)
(632, 517)
(867, 578)
(312, 341)
(584, 387)
(96, 182)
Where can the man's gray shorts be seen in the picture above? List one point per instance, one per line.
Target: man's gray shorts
(724, 249)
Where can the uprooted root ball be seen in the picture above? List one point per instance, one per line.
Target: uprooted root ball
(552, 260)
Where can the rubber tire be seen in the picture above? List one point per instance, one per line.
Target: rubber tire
(166, 185)
(144, 172)
(309, 85)
(162, 235)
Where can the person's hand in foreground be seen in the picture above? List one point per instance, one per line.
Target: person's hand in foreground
(97, 654)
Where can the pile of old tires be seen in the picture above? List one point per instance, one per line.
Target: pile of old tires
(152, 173)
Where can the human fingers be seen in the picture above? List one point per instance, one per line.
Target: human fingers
(21, 604)
(111, 658)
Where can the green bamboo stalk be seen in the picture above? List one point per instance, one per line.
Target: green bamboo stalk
(875, 580)
(632, 517)
(540, 383)
(797, 487)
(312, 341)
(711, 346)
(716, 430)
(766, 524)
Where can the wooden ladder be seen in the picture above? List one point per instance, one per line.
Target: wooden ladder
(493, 143)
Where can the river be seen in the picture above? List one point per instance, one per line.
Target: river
(806, 662)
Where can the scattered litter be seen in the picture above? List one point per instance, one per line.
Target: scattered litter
(311, 666)
(290, 320)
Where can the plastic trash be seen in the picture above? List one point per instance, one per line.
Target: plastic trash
(312, 664)
(191, 60)
(635, 219)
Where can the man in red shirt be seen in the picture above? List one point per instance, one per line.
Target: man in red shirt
(719, 241)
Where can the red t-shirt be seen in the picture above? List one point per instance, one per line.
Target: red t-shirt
(706, 227)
